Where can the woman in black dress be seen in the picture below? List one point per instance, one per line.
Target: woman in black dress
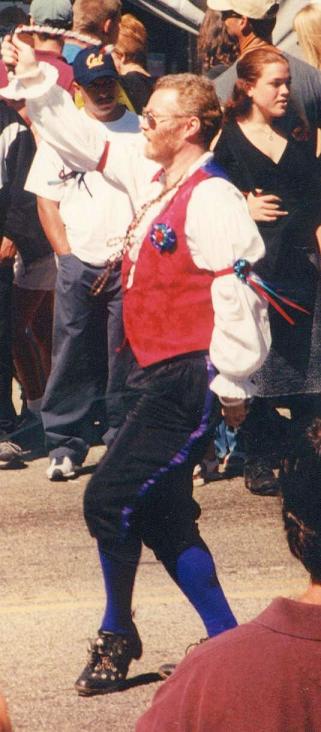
(277, 171)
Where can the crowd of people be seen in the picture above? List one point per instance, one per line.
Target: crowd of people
(160, 292)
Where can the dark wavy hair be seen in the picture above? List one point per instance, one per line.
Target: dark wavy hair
(214, 45)
(249, 69)
(300, 479)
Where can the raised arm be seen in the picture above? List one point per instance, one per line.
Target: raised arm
(51, 109)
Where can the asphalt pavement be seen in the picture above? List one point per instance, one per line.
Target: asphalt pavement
(52, 595)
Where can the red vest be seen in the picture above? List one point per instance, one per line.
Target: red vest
(168, 309)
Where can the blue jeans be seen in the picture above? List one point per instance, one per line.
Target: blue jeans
(228, 440)
(89, 365)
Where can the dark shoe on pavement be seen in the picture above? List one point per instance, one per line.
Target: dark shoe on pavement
(210, 470)
(233, 466)
(109, 658)
(10, 454)
(259, 478)
(206, 472)
(61, 469)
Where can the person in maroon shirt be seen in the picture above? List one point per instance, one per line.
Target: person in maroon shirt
(266, 674)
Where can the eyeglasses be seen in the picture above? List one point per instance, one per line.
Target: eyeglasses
(152, 118)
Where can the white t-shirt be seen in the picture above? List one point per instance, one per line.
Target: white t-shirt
(93, 209)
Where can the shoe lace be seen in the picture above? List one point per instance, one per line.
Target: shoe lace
(194, 645)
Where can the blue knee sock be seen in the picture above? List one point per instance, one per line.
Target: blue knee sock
(119, 578)
(194, 572)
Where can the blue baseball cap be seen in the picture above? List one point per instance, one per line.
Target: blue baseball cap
(93, 63)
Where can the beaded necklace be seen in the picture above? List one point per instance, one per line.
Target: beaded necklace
(127, 241)
(62, 32)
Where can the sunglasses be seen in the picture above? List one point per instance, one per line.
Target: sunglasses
(229, 14)
(151, 119)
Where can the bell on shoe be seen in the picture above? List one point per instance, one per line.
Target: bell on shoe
(62, 468)
(108, 662)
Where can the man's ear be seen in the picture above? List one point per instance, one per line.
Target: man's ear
(106, 26)
(248, 88)
(193, 126)
(110, 28)
(75, 87)
(77, 95)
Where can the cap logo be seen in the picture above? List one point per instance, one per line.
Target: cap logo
(93, 60)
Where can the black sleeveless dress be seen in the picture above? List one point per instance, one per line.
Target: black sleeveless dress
(292, 261)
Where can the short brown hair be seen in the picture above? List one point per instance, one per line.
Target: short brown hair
(90, 15)
(196, 96)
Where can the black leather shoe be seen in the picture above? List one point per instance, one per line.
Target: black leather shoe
(259, 478)
(109, 658)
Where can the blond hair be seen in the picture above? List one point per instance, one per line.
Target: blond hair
(89, 16)
(196, 97)
(307, 24)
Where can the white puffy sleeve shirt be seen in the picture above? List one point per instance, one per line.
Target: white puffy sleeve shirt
(218, 228)
(219, 231)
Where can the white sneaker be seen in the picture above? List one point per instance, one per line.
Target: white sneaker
(61, 469)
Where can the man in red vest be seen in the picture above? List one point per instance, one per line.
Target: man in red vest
(197, 332)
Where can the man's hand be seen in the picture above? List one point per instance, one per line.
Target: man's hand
(264, 207)
(234, 414)
(7, 251)
(19, 56)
